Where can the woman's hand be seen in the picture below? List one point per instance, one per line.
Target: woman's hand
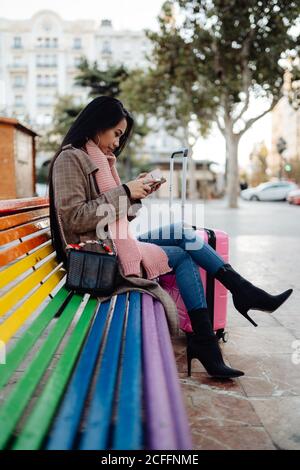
(140, 188)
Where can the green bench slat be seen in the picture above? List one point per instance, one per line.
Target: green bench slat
(32, 334)
(39, 421)
(13, 407)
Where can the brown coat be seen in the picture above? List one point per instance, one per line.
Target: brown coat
(77, 197)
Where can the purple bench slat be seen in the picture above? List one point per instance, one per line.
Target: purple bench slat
(181, 424)
(161, 427)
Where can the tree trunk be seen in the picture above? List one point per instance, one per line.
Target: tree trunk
(232, 142)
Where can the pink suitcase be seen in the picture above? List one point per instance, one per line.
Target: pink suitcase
(216, 293)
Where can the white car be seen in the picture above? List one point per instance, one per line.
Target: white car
(274, 191)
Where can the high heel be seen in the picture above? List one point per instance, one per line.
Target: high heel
(245, 314)
(203, 345)
(210, 356)
(246, 296)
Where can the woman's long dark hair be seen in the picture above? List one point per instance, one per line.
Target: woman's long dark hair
(100, 114)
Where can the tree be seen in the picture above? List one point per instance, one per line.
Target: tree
(226, 54)
(101, 82)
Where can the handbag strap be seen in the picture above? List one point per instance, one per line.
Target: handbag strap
(60, 227)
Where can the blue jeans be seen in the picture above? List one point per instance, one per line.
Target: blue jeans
(186, 251)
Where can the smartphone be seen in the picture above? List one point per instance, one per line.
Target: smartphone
(154, 174)
(158, 180)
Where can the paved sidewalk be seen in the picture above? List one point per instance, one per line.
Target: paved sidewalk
(262, 409)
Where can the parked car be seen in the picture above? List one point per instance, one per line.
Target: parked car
(272, 191)
(294, 196)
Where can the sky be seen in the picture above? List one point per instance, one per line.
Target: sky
(130, 14)
(136, 15)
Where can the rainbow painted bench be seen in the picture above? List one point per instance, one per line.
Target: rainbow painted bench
(77, 374)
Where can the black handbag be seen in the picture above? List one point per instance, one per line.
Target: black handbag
(88, 270)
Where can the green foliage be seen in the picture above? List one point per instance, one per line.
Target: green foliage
(225, 50)
(100, 82)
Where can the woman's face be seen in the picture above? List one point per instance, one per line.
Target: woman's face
(109, 140)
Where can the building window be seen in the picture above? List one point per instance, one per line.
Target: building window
(47, 42)
(18, 81)
(106, 48)
(17, 44)
(17, 61)
(45, 100)
(18, 100)
(77, 61)
(46, 80)
(46, 60)
(77, 43)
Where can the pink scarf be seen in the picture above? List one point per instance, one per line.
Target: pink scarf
(131, 252)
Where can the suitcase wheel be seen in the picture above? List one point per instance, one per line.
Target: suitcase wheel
(223, 335)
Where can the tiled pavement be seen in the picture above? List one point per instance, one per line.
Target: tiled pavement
(260, 410)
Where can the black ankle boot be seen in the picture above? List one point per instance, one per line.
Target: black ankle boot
(246, 296)
(203, 345)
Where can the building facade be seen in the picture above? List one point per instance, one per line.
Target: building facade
(39, 56)
(286, 127)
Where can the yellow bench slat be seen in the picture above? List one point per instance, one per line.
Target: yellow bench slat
(17, 292)
(16, 320)
(11, 273)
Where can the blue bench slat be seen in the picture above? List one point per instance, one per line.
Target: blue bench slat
(99, 415)
(65, 426)
(128, 431)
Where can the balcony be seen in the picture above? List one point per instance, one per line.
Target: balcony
(45, 65)
(19, 85)
(18, 67)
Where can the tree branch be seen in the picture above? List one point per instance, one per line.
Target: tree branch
(221, 128)
(253, 120)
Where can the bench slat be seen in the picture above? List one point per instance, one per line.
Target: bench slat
(14, 271)
(21, 289)
(12, 234)
(65, 427)
(17, 219)
(39, 421)
(128, 431)
(181, 425)
(15, 205)
(11, 254)
(161, 433)
(13, 407)
(10, 326)
(99, 414)
(31, 335)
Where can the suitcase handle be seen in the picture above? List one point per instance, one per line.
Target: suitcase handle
(184, 153)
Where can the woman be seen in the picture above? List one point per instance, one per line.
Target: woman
(86, 191)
